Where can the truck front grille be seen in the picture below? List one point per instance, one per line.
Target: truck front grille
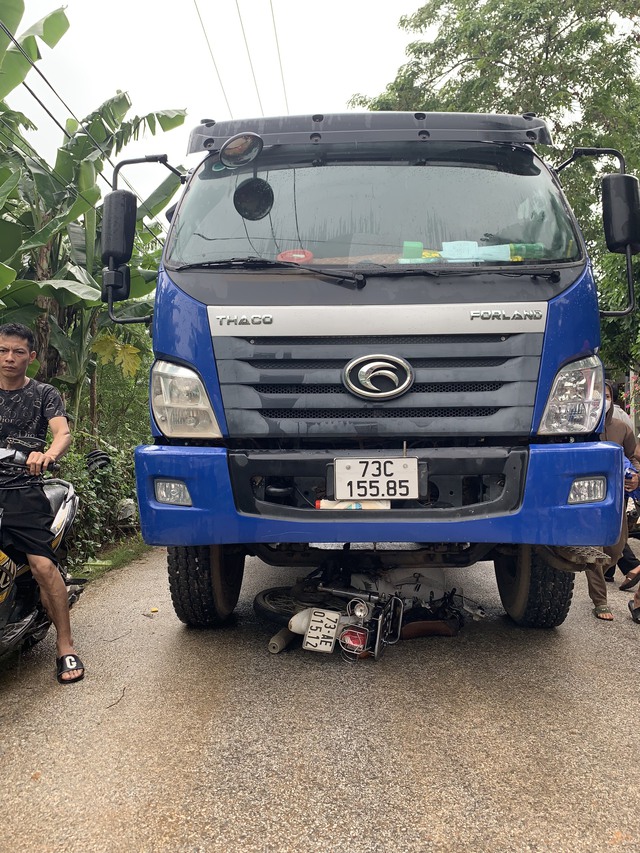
(358, 414)
(421, 388)
(480, 385)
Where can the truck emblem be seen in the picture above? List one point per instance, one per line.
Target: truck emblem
(378, 377)
(244, 319)
(499, 314)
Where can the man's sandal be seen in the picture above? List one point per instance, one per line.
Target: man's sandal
(601, 611)
(632, 579)
(69, 663)
(635, 612)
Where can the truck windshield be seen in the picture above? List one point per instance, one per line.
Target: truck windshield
(376, 205)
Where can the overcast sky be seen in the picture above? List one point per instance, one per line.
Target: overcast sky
(157, 51)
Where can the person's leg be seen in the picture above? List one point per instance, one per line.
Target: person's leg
(631, 579)
(634, 606)
(598, 592)
(596, 577)
(56, 602)
(615, 552)
(628, 562)
(632, 576)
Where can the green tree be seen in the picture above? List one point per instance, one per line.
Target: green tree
(576, 64)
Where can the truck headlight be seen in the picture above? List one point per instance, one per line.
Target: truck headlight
(576, 399)
(180, 404)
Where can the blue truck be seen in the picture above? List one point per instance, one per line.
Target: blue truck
(377, 328)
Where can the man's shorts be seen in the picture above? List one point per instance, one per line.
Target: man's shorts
(25, 527)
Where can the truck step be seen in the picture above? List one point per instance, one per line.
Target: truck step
(582, 554)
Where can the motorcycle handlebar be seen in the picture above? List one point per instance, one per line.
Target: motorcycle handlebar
(19, 459)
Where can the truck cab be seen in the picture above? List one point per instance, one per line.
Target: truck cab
(378, 328)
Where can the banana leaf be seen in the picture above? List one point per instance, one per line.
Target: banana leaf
(65, 292)
(7, 275)
(14, 66)
(11, 14)
(79, 206)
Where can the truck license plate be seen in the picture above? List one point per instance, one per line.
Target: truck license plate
(394, 478)
(322, 631)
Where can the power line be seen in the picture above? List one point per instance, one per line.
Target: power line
(246, 44)
(47, 111)
(206, 38)
(275, 32)
(58, 96)
(80, 123)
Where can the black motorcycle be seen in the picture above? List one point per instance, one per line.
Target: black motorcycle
(23, 619)
(361, 607)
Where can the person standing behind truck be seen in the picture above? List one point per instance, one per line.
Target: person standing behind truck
(618, 412)
(628, 562)
(617, 431)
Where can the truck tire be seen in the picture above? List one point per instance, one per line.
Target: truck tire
(205, 583)
(534, 594)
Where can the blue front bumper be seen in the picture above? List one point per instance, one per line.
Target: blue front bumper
(543, 517)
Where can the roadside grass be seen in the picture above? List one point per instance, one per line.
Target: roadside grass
(115, 556)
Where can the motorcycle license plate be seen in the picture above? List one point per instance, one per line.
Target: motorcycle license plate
(391, 478)
(322, 631)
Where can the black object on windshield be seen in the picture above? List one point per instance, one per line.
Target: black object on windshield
(253, 199)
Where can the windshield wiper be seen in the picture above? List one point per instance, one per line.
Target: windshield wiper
(359, 279)
(419, 269)
(551, 275)
(257, 263)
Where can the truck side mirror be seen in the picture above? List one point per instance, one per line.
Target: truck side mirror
(621, 212)
(118, 227)
(116, 284)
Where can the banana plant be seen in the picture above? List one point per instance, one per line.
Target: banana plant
(74, 346)
(46, 210)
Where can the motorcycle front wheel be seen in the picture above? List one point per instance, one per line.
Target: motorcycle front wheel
(279, 603)
(276, 605)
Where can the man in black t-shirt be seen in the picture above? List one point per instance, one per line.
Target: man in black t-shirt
(27, 410)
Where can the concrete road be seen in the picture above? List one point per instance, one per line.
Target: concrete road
(499, 739)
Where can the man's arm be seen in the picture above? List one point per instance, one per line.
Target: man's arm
(39, 462)
(630, 447)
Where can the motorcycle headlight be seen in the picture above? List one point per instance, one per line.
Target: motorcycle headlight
(576, 399)
(180, 404)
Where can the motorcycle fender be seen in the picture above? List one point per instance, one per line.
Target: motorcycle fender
(7, 575)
